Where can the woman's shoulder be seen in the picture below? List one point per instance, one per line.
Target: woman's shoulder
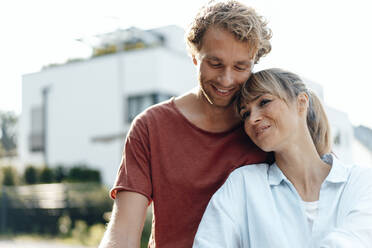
(360, 175)
(244, 182)
(356, 176)
(249, 174)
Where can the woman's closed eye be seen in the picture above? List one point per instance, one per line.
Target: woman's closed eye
(245, 115)
(263, 102)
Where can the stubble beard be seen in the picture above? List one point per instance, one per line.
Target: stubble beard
(210, 99)
(205, 95)
(203, 92)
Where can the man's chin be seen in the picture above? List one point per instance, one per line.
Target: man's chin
(223, 104)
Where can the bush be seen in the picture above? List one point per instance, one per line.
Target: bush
(95, 234)
(87, 235)
(9, 176)
(78, 173)
(80, 231)
(64, 224)
(31, 175)
(46, 175)
(81, 173)
(60, 173)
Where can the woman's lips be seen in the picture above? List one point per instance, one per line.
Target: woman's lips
(260, 130)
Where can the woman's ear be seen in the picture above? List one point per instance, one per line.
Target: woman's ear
(303, 102)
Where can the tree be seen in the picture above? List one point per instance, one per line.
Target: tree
(8, 122)
(30, 175)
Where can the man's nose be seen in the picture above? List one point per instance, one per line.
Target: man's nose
(227, 78)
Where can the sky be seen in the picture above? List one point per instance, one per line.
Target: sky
(328, 42)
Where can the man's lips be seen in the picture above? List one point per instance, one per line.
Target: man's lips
(223, 92)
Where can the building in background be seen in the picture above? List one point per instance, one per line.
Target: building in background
(80, 112)
(362, 146)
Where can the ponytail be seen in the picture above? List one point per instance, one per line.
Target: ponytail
(318, 124)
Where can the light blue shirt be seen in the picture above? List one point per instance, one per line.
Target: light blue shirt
(258, 207)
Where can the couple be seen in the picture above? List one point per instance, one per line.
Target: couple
(179, 153)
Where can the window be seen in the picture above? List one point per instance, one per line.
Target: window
(36, 137)
(138, 103)
(337, 139)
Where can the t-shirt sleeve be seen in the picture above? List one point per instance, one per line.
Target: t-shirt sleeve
(356, 228)
(134, 173)
(218, 227)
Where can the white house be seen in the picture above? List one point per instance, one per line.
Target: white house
(79, 112)
(362, 146)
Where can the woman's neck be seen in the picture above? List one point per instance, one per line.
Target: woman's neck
(302, 165)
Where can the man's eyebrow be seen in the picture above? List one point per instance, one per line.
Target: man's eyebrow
(244, 62)
(213, 58)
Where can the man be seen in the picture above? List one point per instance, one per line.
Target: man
(178, 153)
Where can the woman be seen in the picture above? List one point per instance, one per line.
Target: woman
(307, 198)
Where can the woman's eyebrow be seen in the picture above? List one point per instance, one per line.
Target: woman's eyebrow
(257, 97)
(254, 99)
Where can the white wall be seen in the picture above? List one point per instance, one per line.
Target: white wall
(361, 155)
(157, 69)
(87, 103)
(84, 102)
(341, 125)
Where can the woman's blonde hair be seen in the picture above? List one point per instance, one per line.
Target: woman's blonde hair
(287, 86)
(240, 20)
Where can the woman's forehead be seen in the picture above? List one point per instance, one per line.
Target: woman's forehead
(250, 98)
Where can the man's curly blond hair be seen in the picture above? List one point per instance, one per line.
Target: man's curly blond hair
(242, 21)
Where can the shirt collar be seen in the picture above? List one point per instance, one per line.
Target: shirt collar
(339, 171)
(338, 174)
(276, 176)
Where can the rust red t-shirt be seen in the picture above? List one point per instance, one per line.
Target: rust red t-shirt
(179, 166)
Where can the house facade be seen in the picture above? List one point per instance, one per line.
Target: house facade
(80, 112)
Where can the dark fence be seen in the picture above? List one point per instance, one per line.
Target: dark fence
(37, 208)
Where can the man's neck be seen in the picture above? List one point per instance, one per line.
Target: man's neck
(205, 115)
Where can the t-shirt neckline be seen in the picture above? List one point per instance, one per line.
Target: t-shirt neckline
(173, 105)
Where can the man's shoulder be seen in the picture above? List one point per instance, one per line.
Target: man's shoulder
(159, 110)
(166, 110)
(152, 116)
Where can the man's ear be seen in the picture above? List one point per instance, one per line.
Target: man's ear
(303, 102)
(194, 60)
